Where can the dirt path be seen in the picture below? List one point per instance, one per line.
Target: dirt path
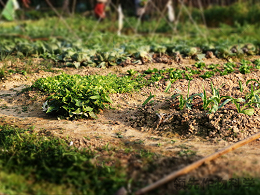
(121, 127)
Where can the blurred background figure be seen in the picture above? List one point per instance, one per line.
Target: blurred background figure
(100, 9)
(140, 7)
(170, 9)
(26, 3)
(10, 8)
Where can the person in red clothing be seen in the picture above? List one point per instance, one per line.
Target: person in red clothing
(100, 9)
(26, 3)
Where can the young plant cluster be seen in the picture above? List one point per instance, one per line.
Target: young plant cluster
(83, 96)
(202, 70)
(214, 102)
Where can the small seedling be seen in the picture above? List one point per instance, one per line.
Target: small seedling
(187, 153)
(131, 72)
(139, 141)
(212, 103)
(185, 102)
(148, 99)
(244, 67)
(173, 141)
(200, 65)
(168, 87)
(240, 86)
(245, 109)
(87, 138)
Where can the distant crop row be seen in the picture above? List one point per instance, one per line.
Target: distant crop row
(74, 54)
(200, 69)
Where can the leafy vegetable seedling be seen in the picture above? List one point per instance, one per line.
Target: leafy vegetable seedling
(240, 86)
(148, 99)
(78, 96)
(213, 103)
(168, 87)
(245, 109)
(185, 102)
(244, 67)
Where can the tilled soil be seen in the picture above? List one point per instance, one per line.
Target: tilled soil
(178, 137)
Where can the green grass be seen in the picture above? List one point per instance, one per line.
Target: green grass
(39, 163)
(33, 163)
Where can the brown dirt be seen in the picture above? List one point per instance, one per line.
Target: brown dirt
(179, 138)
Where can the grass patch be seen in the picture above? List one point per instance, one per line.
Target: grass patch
(32, 163)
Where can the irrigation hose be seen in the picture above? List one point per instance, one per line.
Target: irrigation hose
(196, 164)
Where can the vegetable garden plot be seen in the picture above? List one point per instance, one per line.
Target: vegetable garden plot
(144, 103)
(129, 107)
(229, 112)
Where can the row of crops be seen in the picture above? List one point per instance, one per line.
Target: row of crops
(74, 54)
(79, 45)
(200, 69)
(84, 96)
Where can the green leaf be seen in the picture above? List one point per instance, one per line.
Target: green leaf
(78, 111)
(240, 86)
(240, 100)
(148, 99)
(87, 109)
(51, 108)
(257, 101)
(92, 115)
(214, 107)
(249, 111)
(176, 95)
(76, 64)
(95, 97)
(107, 98)
(168, 87)
(78, 103)
(224, 103)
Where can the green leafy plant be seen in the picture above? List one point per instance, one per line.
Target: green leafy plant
(207, 74)
(200, 65)
(240, 86)
(206, 101)
(188, 76)
(74, 95)
(213, 66)
(150, 71)
(185, 102)
(131, 72)
(246, 108)
(39, 158)
(168, 87)
(257, 63)
(213, 103)
(176, 74)
(156, 77)
(253, 96)
(192, 71)
(229, 67)
(148, 99)
(245, 66)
